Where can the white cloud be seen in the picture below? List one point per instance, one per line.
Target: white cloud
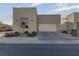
(58, 9)
(35, 4)
(66, 7)
(62, 4)
(61, 8)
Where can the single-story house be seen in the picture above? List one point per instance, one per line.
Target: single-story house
(35, 22)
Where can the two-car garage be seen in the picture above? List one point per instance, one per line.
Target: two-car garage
(48, 23)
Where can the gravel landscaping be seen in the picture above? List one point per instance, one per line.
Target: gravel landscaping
(42, 38)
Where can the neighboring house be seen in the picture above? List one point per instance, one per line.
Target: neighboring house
(63, 26)
(73, 22)
(5, 27)
(35, 22)
(66, 26)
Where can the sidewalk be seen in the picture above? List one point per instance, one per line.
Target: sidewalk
(24, 40)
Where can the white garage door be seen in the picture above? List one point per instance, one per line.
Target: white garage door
(47, 27)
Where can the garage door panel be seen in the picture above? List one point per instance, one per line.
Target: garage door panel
(47, 27)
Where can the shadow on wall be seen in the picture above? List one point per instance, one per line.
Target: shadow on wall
(66, 26)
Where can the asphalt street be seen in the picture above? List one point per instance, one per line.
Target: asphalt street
(39, 49)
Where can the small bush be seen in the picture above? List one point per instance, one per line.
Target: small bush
(9, 35)
(64, 32)
(27, 26)
(32, 34)
(16, 33)
(26, 32)
(12, 34)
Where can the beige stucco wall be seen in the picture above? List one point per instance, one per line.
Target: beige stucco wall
(76, 18)
(63, 26)
(31, 13)
(50, 19)
(73, 18)
(69, 24)
(72, 24)
(70, 17)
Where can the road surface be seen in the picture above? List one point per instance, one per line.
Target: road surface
(39, 49)
(47, 44)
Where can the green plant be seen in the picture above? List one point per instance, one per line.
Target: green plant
(27, 26)
(16, 33)
(64, 32)
(32, 34)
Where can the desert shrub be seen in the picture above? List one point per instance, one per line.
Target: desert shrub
(32, 34)
(9, 35)
(16, 33)
(27, 26)
(26, 32)
(64, 32)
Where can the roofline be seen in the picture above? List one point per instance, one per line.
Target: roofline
(48, 14)
(24, 7)
(72, 13)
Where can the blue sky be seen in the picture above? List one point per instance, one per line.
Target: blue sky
(6, 10)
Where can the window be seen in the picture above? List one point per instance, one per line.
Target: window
(24, 22)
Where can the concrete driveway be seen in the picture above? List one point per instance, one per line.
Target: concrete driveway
(54, 36)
